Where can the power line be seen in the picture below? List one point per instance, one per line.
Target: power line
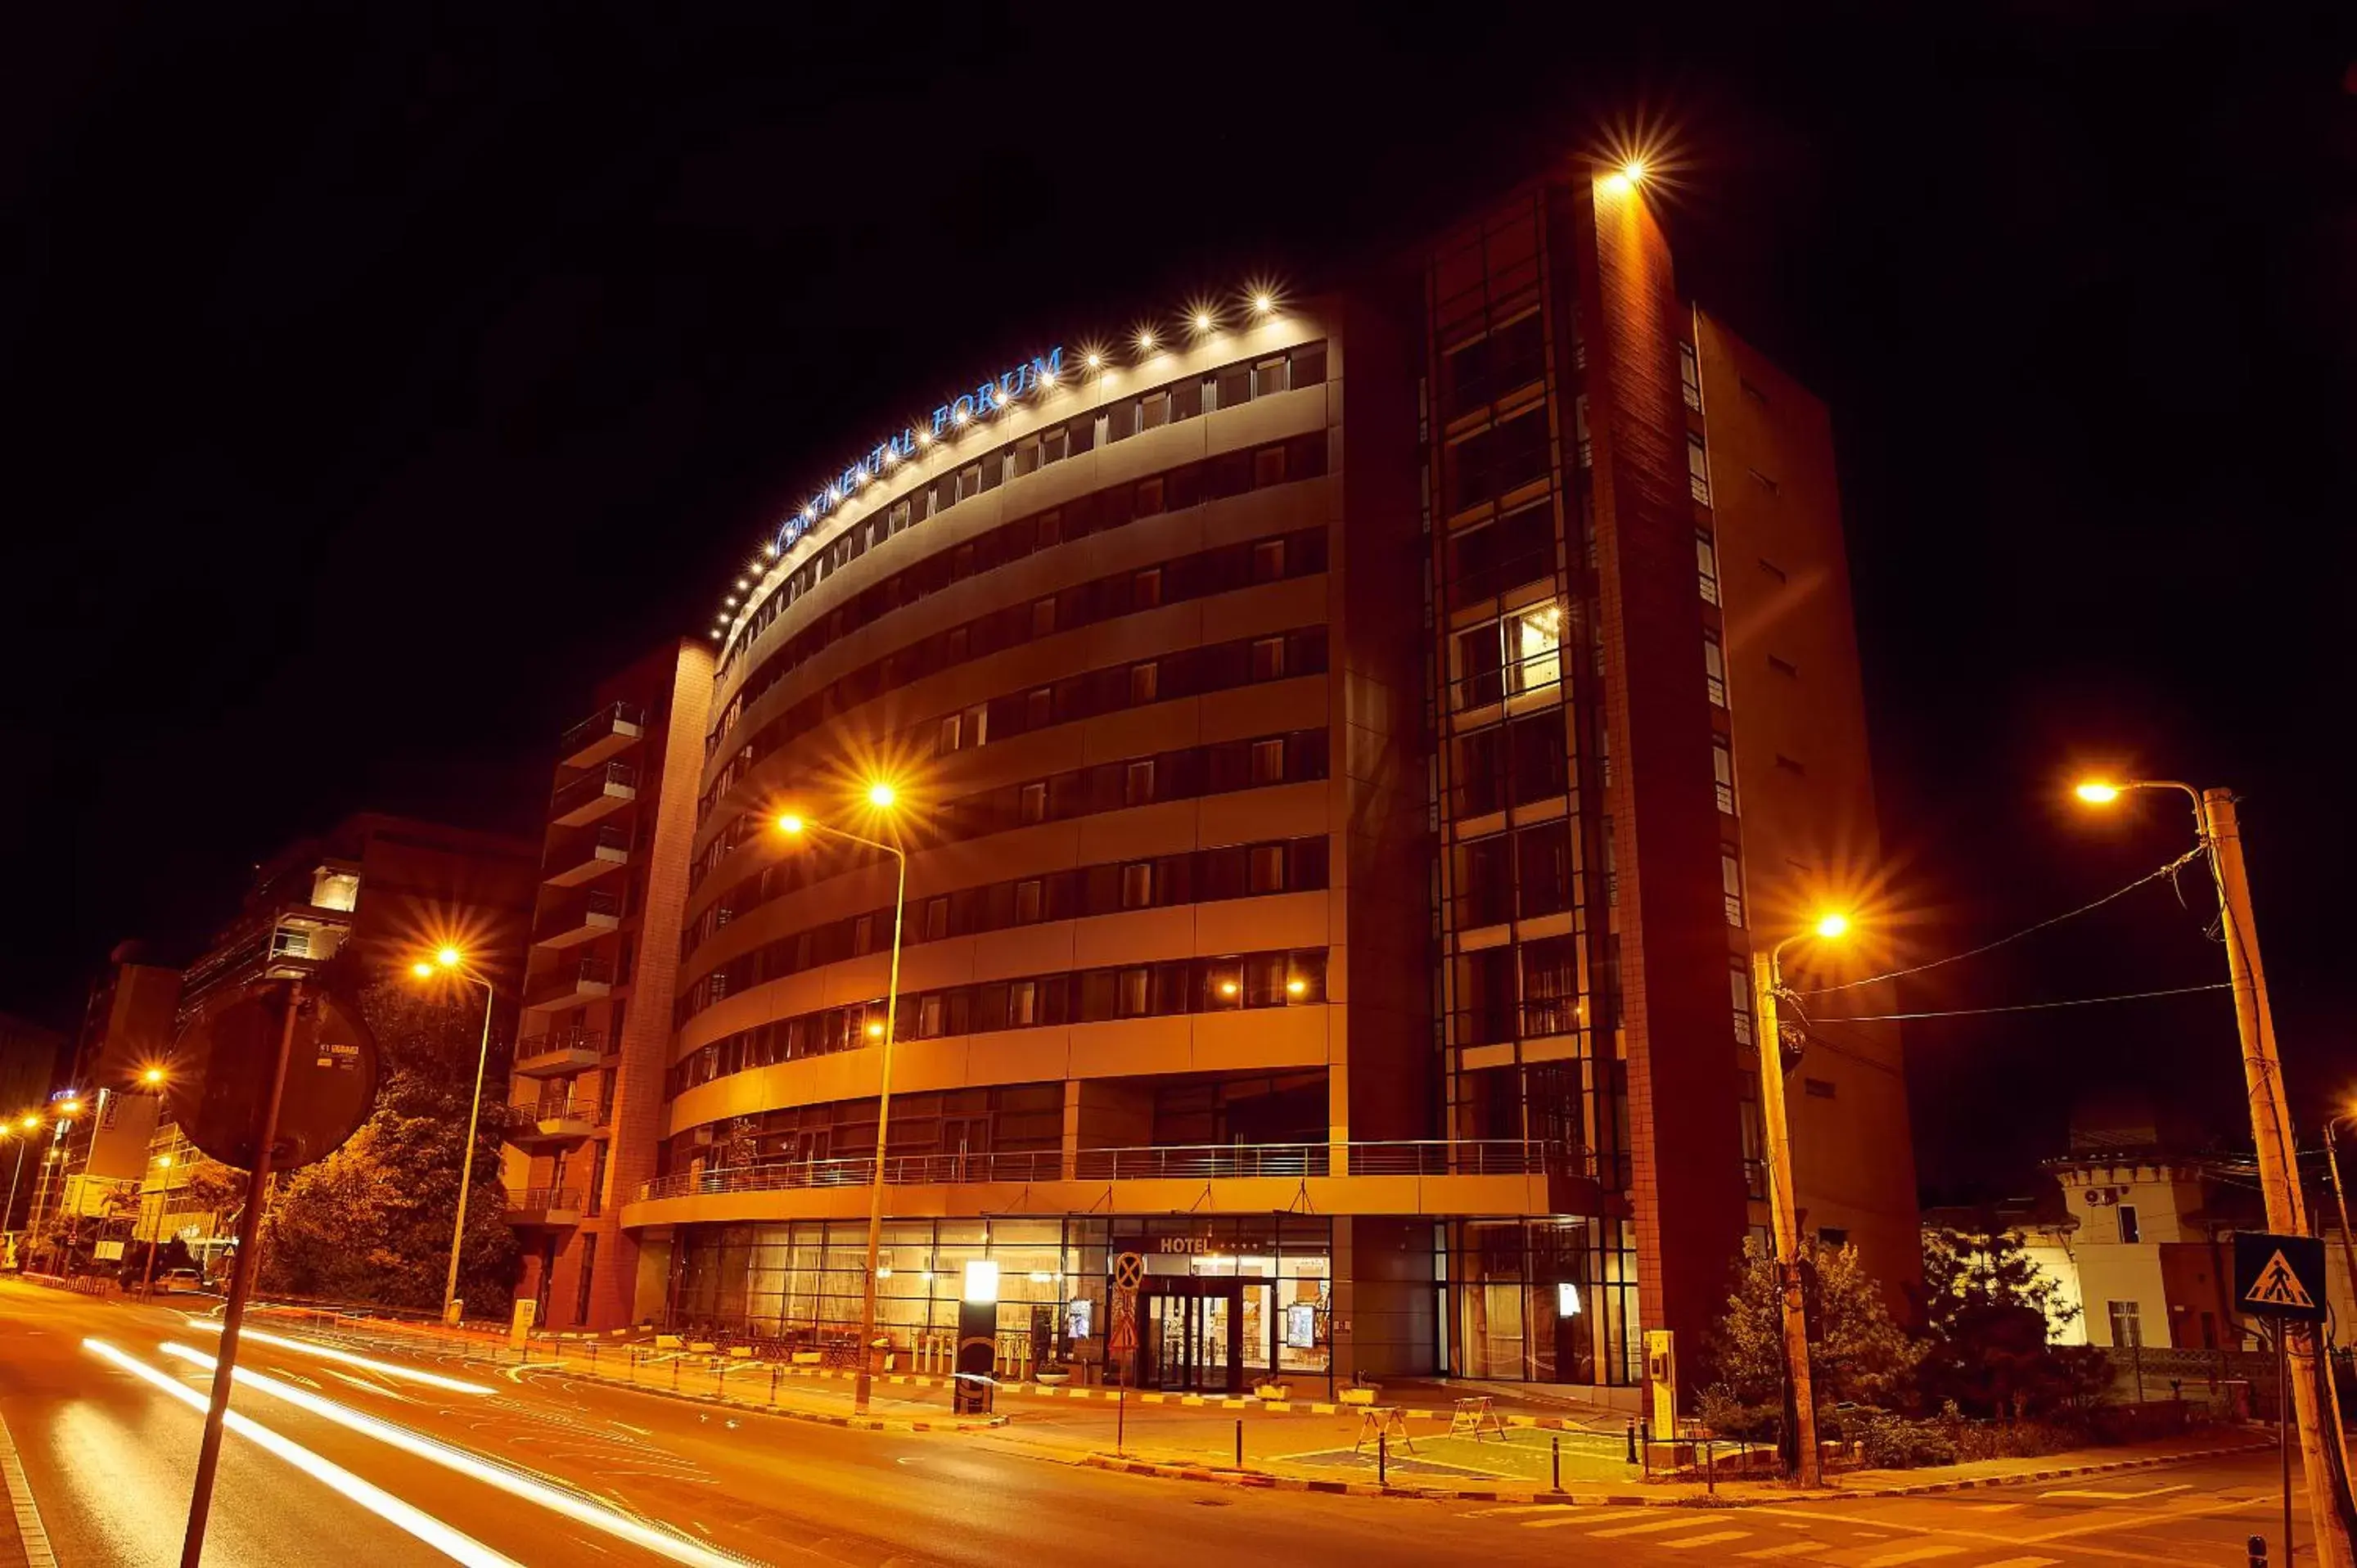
(2171, 869)
(2021, 1006)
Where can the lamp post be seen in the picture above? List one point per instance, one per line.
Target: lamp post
(1767, 987)
(451, 960)
(2271, 1131)
(22, 1131)
(2340, 1198)
(880, 796)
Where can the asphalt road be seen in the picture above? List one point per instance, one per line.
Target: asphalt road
(543, 1469)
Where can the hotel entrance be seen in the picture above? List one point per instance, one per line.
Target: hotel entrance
(1191, 1337)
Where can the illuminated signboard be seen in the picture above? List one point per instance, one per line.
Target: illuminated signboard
(989, 398)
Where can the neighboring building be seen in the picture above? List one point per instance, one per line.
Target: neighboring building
(1338, 829)
(31, 1056)
(587, 1108)
(2046, 1230)
(383, 891)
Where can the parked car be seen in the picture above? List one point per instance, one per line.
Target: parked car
(178, 1278)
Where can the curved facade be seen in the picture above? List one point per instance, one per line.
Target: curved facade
(1325, 878)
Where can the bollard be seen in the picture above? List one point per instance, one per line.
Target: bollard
(1633, 1443)
(1558, 1461)
(1120, 1417)
(675, 1371)
(1240, 1442)
(634, 1364)
(1645, 1447)
(773, 1385)
(2258, 1547)
(719, 1376)
(1383, 1458)
(1710, 1469)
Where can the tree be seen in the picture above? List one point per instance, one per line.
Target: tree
(371, 1222)
(1857, 1354)
(1988, 1314)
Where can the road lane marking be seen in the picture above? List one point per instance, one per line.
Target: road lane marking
(556, 1499)
(1648, 1529)
(1992, 1508)
(1714, 1539)
(1572, 1516)
(1521, 1509)
(2024, 1562)
(32, 1540)
(2117, 1497)
(452, 1543)
(1789, 1549)
(1910, 1554)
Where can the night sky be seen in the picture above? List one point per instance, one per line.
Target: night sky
(374, 386)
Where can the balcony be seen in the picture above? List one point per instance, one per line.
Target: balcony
(599, 792)
(560, 1055)
(570, 984)
(579, 919)
(602, 734)
(543, 1206)
(1195, 1163)
(552, 1119)
(581, 858)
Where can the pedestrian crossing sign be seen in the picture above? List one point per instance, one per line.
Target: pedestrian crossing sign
(2280, 1276)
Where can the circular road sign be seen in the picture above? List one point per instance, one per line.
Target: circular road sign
(220, 1079)
(1128, 1272)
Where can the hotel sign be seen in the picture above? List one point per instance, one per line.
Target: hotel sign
(988, 398)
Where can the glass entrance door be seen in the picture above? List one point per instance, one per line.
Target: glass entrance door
(1192, 1336)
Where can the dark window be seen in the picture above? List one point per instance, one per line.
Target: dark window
(1145, 682)
(1269, 658)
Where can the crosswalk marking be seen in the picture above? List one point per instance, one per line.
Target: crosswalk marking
(1519, 1509)
(1568, 1516)
(1911, 1555)
(2024, 1562)
(1646, 1529)
(1789, 1549)
(1994, 1507)
(2118, 1496)
(1713, 1539)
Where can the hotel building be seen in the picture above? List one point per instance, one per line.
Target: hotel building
(1346, 752)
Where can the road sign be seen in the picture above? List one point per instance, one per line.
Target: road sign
(1122, 1339)
(2280, 1276)
(1128, 1272)
(220, 1076)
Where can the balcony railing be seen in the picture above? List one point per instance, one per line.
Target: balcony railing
(580, 858)
(602, 734)
(527, 1202)
(579, 919)
(1532, 674)
(601, 789)
(1197, 1162)
(571, 983)
(559, 1052)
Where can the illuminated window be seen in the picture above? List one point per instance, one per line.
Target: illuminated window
(1137, 884)
(335, 889)
(1153, 410)
(1534, 639)
(1706, 565)
(1031, 803)
(1137, 783)
(1145, 682)
(1697, 468)
(1022, 1003)
(977, 726)
(1270, 376)
(969, 481)
(1269, 658)
(1268, 761)
(2128, 1323)
(930, 1014)
(1690, 377)
(1722, 768)
(1714, 668)
(1730, 881)
(952, 733)
(1738, 989)
(1137, 987)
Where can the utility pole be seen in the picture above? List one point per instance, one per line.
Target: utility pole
(2340, 1201)
(1767, 986)
(2271, 1132)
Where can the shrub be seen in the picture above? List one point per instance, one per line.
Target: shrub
(1894, 1443)
(1728, 1416)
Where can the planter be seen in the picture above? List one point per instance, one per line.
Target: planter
(1272, 1392)
(806, 1358)
(1054, 1379)
(1360, 1396)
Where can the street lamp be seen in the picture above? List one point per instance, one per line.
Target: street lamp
(454, 961)
(1767, 988)
(882, 796)
(2221, 841)
(23, 1134)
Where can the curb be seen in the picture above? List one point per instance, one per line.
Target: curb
(783, 1413)
(1253, 1478)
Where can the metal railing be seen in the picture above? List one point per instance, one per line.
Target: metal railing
(579, 792)
(558, 1107)
(577, 912)
(601, 723)
(538, 1199)
(1518, 677)
(1426, 1157)
(569, 977)
(590, 1040)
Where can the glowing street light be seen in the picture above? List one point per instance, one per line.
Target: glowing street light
(454, 959)
(2218, 837)
(1767, 988)
(881, 795)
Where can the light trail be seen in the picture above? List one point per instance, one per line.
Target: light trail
(386, 1369)
(452, 1543)
(581, 1510)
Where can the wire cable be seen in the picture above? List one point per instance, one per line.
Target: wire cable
(2171, 871)
(2022, 1006)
